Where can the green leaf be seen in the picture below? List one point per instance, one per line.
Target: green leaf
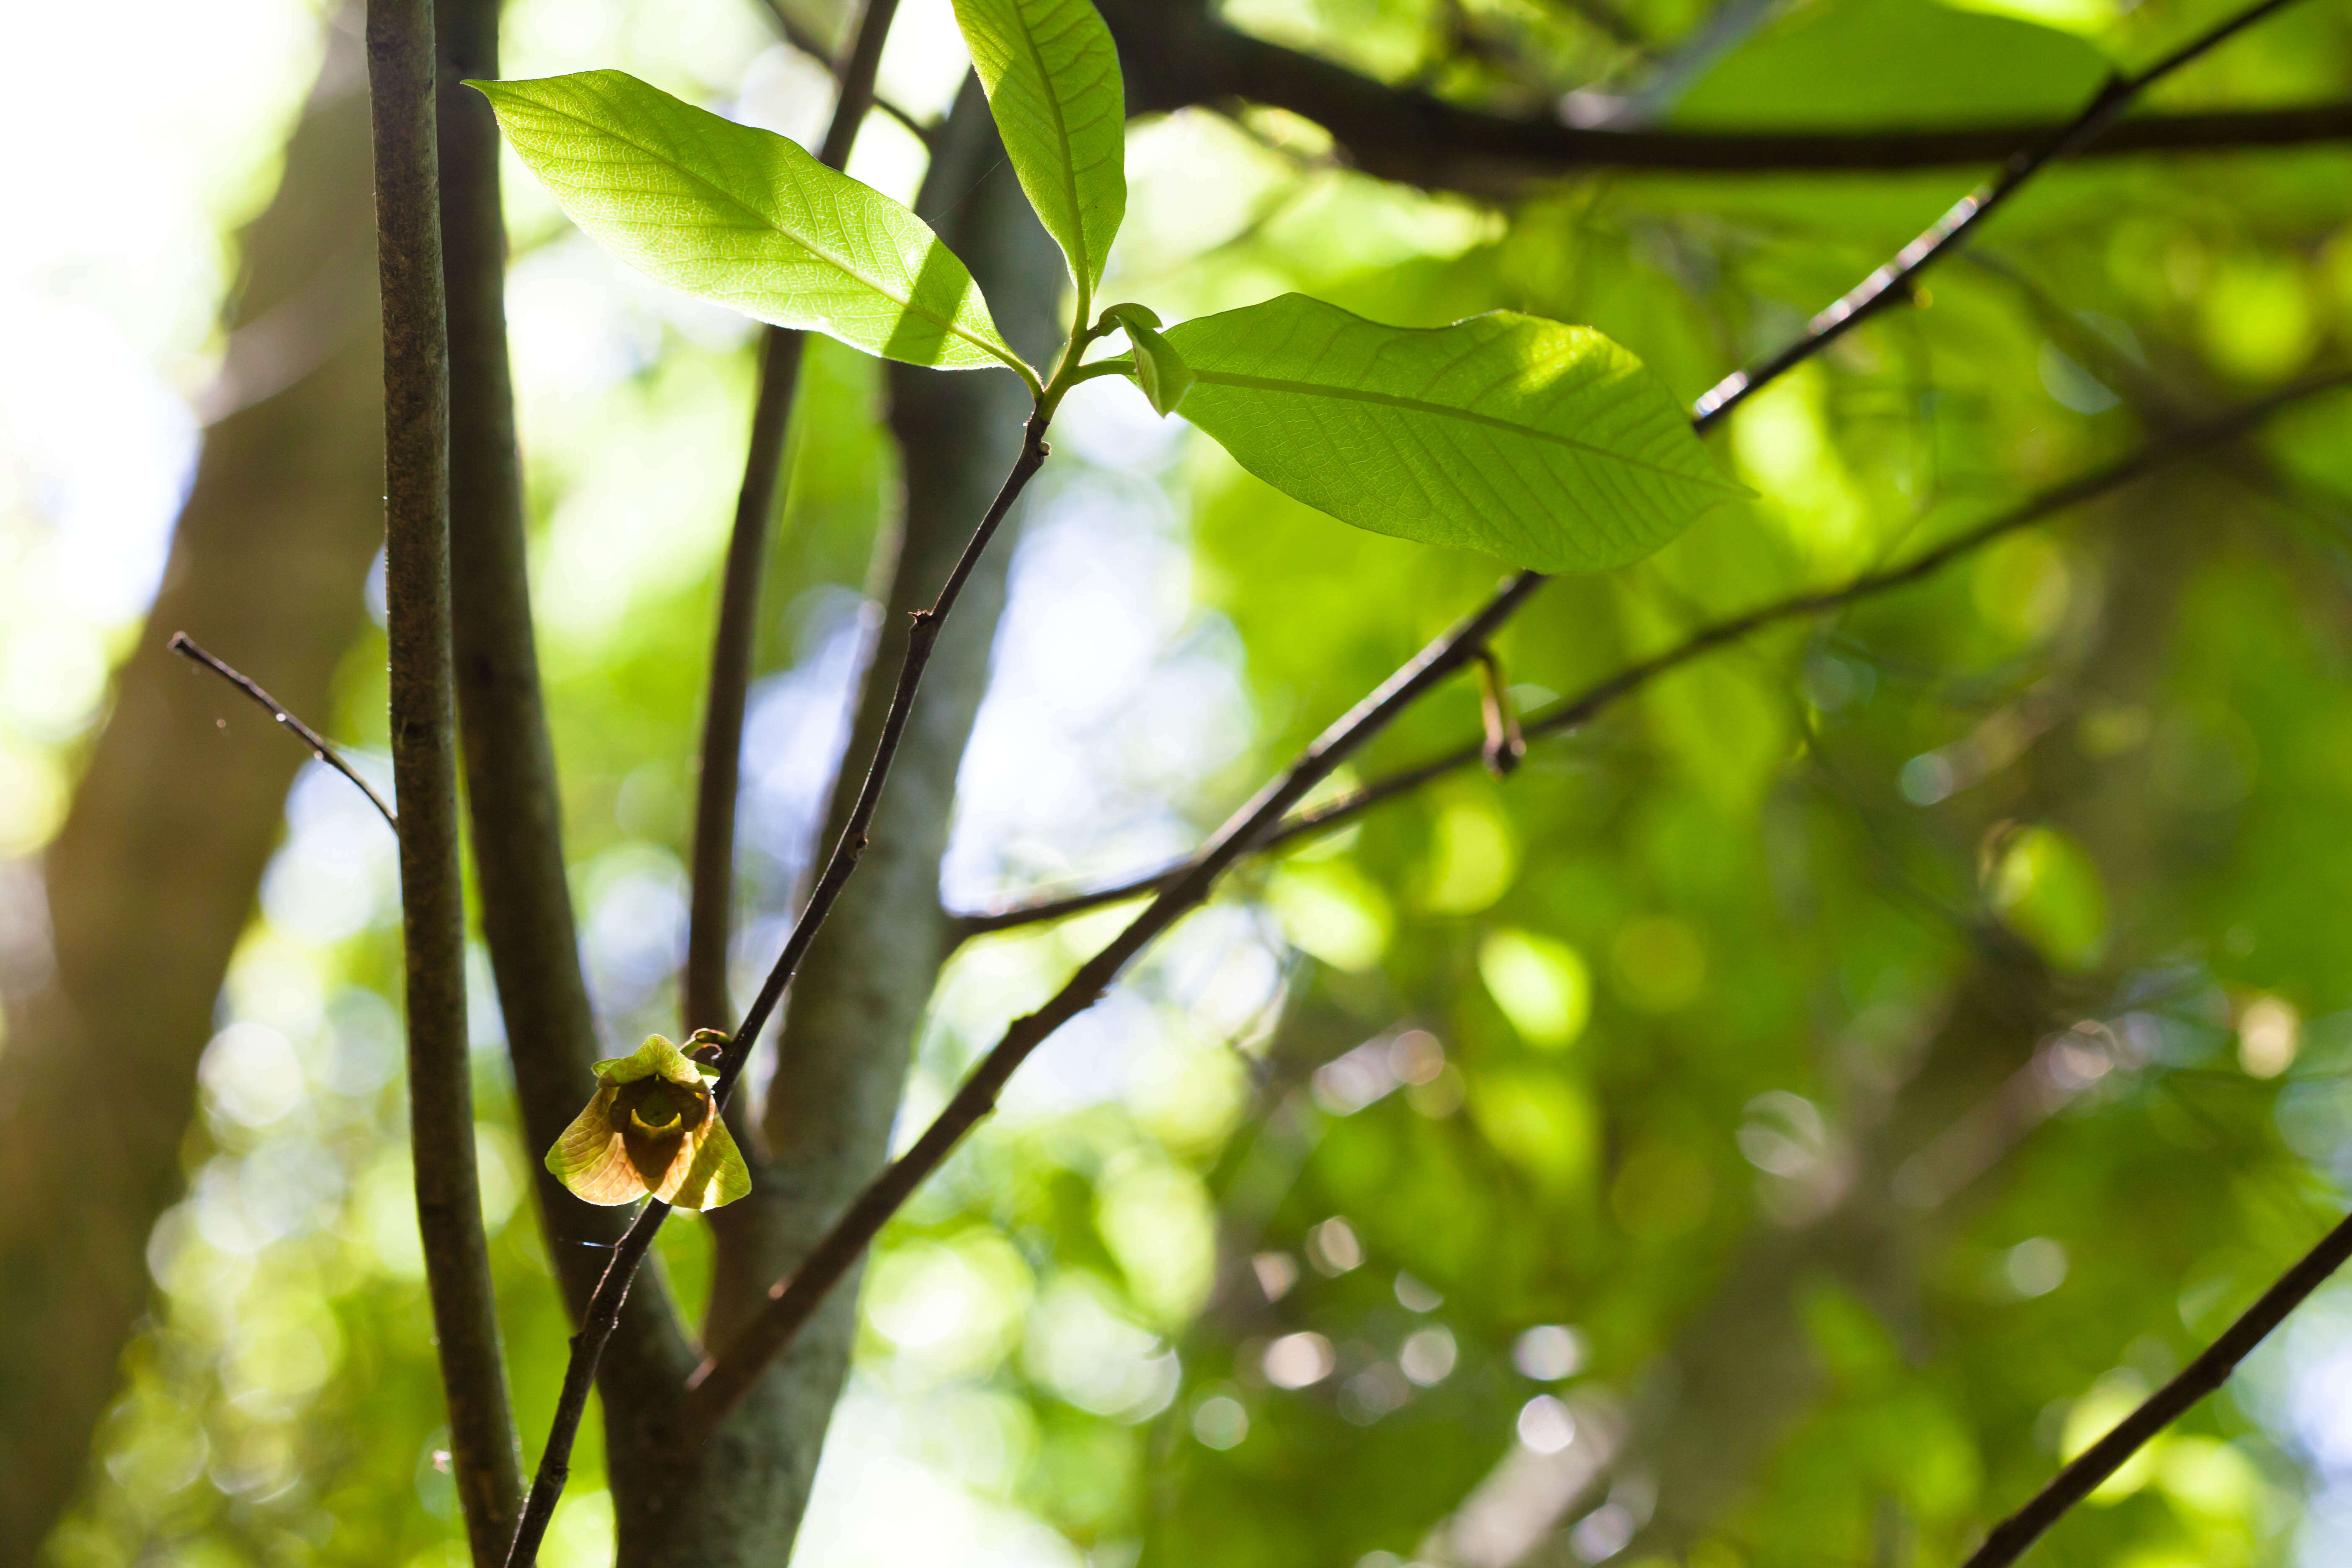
(1051, 76)
(1158, 370)
(746, 219)
(1546, 445)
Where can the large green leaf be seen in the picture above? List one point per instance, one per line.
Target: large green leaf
(1547, 444)
(746, 219)
(1051, 76)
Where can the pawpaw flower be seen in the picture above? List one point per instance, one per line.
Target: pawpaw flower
(653, 1130)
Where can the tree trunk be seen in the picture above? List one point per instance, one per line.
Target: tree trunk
(151, 878)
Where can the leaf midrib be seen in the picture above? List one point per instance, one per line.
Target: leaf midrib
(768, 225)
(1069, 154)
(1419, 405)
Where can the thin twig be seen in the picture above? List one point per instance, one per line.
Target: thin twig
(792, 1302)
(1573, 712)
(793, 32)
(188, 649)
(1898, 279)
(484, 1451)
(711, 890)
(604, 1306)
(722, 1381)
(2207, 1372)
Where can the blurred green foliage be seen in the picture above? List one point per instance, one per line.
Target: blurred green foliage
(1947, 999)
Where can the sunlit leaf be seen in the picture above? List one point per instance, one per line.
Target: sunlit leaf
(1051, 76)
(1546, 445)
(746, 219)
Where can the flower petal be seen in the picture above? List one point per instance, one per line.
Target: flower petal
(655, 1056)
(590, 1160)
(714, 1176)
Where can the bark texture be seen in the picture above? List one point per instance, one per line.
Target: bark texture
(855, 1008)
(510, 776)
(401, 72)
(151, 879)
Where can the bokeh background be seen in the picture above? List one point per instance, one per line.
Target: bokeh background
(1780, 1123)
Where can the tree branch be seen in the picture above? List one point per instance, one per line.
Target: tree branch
(800, 37)
(712, 898)
(604, 1307)
(1570, 713)
(188, 649)
(1177, 56)
(482, 1443)
(719, 1383)
(1898, 280)
(2200, 1377)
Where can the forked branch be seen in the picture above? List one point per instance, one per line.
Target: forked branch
(604, 1306)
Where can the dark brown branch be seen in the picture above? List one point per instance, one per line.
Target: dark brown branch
(2200, 1377)
(1178, 56)
(1898, 279)
(187, 647)
(712, 898)
(483, 1449)
(604, 1306)
(792, 1301)
(1573, 712)
(719, 1383)
(792, 30)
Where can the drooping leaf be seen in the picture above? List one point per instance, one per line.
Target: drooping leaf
(1051, 76)
(747, 219)
(1160, 370)
(1547, 444)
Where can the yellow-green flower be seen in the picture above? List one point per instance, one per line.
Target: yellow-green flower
(652, 1130)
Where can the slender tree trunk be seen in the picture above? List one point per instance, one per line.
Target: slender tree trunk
(859, 997)
(151, 878)
(403, 70)
(509, 758)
